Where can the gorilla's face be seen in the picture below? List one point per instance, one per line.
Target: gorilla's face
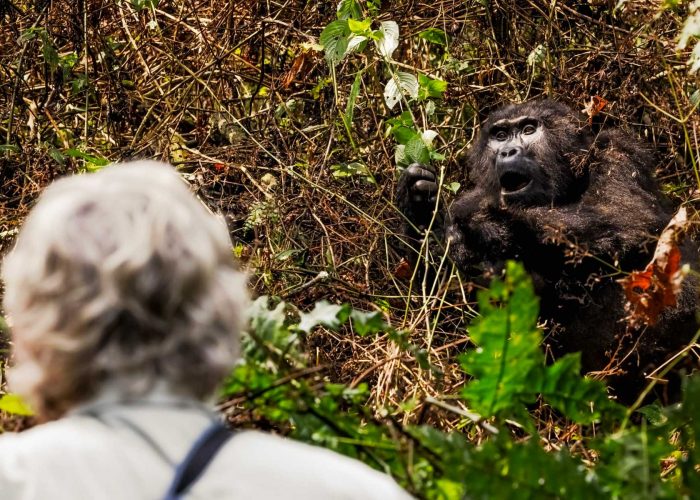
(512, 144)
(528, 155)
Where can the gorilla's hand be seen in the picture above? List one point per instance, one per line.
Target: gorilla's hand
(416, 194)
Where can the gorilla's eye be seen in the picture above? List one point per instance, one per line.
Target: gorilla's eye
(529, 129)
(501, 135)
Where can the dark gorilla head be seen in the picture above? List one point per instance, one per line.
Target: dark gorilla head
(532, 154)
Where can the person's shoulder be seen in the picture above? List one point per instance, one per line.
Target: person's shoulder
(312, 468)
(24, 456)
(51, 438)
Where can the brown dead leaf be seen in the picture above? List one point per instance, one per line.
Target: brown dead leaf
(403, 270)
(297, 66)
(651, 291)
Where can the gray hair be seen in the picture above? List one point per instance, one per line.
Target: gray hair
(121, 278)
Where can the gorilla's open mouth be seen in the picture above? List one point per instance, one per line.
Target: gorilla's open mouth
(512, 182)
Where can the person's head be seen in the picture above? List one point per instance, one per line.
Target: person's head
(121, 279)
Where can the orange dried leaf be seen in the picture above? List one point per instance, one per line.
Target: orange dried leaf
(594, 107)
(296, 68)
(651, 291)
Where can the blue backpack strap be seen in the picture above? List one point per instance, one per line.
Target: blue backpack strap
(200, 455)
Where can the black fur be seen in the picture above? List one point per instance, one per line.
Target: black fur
(588, 200)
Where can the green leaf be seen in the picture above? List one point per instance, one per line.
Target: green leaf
(97, 161)
(434, 35)
(695, 97)
(654, 414)
(351, 169)
(141, 4)
(57, 156)
(629, 465)
(349, 9)
(287, 254)
(15, 405)
(431, 87)
(508, 345)
(581, 399)
(268, 325)
(453, 187)
(9, 147)
(352, 99)
(537, 56)
(323, 313)
(428, 137)
(403, 135)
(366, 323)
(416, 151)
(400, 157)
(334, 39)
(359, 27)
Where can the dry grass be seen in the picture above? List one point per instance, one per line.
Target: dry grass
(230, 93)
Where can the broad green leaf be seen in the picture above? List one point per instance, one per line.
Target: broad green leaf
(349, 9)
(403, 135)
(453, 187)
(268, 325)
(388, 38)
(431, 87)
(629, 465)
(334, 39)
(15, 405)
(581, 399)
(401, 83)
(695, 97)
(355, 43)
(286, 254)
(359, 27)
(400, 157)
(691, 27)
(417, 151)
(366, 323)
(434, 35)
(508, 349)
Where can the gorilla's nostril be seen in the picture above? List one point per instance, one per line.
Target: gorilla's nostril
(514, 181)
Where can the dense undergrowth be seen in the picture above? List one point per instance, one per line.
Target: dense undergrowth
(292, 119)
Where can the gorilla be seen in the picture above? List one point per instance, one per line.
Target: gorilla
(576, 208)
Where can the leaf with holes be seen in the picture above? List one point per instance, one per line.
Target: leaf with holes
(335, 39)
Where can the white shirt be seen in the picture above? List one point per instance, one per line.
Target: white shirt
(130, 451)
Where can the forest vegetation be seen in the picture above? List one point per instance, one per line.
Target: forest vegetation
(293, 120)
